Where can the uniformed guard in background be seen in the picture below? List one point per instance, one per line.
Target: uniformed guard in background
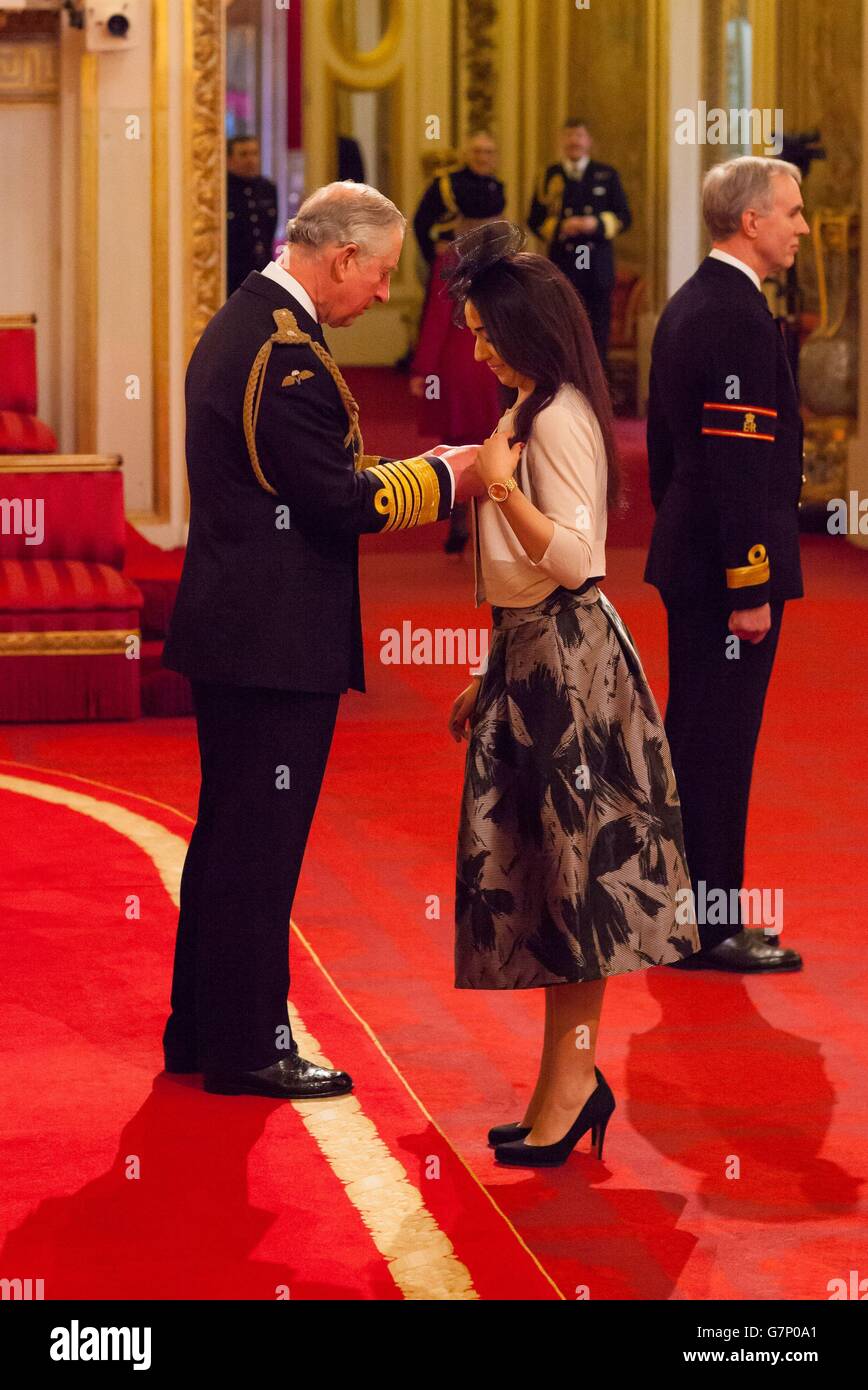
(578, 209)
(725, 459)
(267, 622)
(459, 199)
(466, 407)
(251, 211)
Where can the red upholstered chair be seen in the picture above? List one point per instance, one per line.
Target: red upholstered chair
(20, 431)
(67, 613)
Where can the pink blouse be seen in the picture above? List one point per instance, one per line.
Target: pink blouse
(563, 472)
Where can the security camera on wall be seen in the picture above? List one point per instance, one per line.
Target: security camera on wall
(111, 24)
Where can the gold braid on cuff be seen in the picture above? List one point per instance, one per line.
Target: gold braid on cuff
(756, 571)
(409, 494)
(288, 331)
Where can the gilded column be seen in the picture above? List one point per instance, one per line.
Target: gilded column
(205, 163)
(763, 17)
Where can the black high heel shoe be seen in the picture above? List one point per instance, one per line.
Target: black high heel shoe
(504, 1134)
(594, 1116)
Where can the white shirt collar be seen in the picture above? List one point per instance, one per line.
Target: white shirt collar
(275, 271)
(717, 255)
(581, 164)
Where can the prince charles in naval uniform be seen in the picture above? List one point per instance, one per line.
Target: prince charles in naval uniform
(267, 622)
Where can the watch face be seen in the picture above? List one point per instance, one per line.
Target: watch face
(498, 492)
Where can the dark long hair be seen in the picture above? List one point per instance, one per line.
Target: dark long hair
(536, 323)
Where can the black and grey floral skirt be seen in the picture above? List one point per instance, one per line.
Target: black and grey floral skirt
(570, 852)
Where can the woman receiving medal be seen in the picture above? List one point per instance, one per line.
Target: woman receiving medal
(570, 861)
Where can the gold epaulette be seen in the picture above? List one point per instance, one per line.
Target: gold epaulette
(288, 332)
(756, 571)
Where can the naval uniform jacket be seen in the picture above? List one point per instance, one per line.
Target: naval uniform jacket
(269, 593)
(597, 193)
(724, 448)
(251, 218)
(449, 199)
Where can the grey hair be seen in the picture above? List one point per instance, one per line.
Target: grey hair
(730, 188)
(339, 213)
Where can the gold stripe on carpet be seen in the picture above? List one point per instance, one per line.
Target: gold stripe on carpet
(418, 1254)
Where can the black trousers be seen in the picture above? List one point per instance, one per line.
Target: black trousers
(713, 719)
(597, 299)
(231, 975)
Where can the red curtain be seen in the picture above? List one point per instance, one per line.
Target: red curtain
(293, 76)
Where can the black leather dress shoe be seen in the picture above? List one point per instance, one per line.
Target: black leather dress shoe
(292, 1078)
(748, 952)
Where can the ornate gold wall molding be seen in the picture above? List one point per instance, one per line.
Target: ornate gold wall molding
(29, 71)
(336, 68)
(204, 163)
(479, 65)
(345, 50)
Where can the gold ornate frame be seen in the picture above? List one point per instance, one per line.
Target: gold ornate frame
(204, 163)
(203, 192)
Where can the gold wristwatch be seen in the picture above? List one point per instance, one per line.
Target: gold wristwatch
(498, 492)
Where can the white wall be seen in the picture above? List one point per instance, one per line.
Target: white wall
(29, 233)
(125, 426)
(685, 163)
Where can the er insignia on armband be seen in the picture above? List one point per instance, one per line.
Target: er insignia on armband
(755, 422)
(409, 494)
(756, 571)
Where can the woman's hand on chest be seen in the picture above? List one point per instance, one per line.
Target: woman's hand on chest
(497, 461)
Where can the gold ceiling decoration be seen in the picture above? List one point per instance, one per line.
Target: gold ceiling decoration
(28, 71)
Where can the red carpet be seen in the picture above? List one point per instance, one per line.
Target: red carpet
(122, 1181)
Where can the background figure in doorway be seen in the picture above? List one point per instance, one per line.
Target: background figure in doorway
(251, 211)
(458, 396)
(578, 209)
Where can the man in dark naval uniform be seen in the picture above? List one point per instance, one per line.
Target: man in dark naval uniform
(453, 203)
(461, 198)
(251, 211)
(578, 209)
(725, 459)
(267, 621)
